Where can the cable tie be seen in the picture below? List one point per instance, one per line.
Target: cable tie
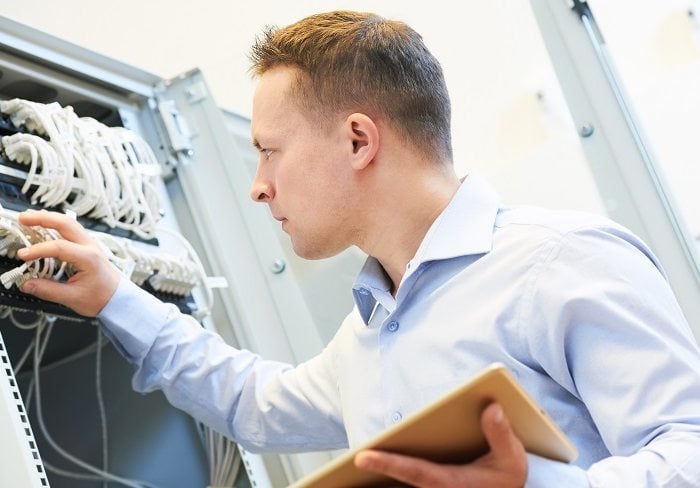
(216, 282)
(127, 267)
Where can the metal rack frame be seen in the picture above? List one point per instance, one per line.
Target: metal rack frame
(629, 178)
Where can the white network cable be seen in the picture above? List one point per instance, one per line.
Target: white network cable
(201, 273)
(166, 273)
(38, 354)
(224, 459)
(16, 236)
(101, 403)
(106, 173)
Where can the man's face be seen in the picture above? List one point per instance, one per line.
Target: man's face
(303, 172)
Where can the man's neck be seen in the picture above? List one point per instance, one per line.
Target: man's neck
(403, 217)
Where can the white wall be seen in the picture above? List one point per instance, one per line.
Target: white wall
(494, 61)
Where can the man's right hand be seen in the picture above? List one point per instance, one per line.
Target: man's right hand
(95, 279)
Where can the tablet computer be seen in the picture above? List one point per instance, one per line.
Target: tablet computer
(449, 431)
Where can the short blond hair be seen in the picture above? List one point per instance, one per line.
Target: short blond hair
(355, 61)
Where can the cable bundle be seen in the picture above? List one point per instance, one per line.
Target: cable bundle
(224, 459)
(15, 236)
(165, 272)
(176, 275)
(43, 326)
(106, 173)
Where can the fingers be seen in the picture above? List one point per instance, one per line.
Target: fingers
(410, 470)
(505, 447)
(86, 291)
(55, 292)
(497, 430)
(80, 256)
(68, 228)
(505, 464)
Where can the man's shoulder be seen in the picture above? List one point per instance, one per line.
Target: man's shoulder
(553, 222)
(535, 229)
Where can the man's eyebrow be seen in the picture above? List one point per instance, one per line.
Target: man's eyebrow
(256, 144)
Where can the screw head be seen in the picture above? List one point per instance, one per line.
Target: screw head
(586, 130)
(278, 265)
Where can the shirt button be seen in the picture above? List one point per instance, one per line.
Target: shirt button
(363, 291)
(393, 326)
(396, 416)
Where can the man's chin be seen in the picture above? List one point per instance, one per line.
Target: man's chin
(311, 252)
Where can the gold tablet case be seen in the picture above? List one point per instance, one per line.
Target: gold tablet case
(449, 431)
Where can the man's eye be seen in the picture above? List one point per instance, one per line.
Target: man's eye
(266, 152)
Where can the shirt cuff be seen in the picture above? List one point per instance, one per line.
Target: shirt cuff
(545, 473)
(132, 320)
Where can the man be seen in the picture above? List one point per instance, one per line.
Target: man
(352, 120)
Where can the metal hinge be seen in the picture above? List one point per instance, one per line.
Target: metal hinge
(176, 128)
(175, 131)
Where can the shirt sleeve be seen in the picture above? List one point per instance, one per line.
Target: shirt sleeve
(607, 327)
(263, 405)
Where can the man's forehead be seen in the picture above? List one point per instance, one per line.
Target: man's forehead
(274, 111)
(277, 79)
(273, 92)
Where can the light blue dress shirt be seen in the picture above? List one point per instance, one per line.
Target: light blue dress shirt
(574, 305)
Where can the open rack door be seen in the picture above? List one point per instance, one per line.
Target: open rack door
(265, 304)
(629, 179)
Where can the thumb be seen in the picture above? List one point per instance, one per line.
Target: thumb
(56, 292)
(498, 432)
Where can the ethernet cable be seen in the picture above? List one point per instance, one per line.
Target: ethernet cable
(41, 119)
(104, 172)
(165, 273)
(202, 274)
(92, 146)
(8, 313)
(101, 403)
(224, 459)
(176, 275)
(85, 351)
(43, 163)
(17, 236)
(95, 347)
(12, 231)
(38, 353)
(18, 365)
(41, 344)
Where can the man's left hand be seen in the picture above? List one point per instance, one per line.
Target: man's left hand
(505, 465)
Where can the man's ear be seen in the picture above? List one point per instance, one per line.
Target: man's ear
(363, 136)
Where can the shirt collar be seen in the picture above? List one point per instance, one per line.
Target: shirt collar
(464, 228)
(372, 285)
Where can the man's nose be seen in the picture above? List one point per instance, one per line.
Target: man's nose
(261, 191)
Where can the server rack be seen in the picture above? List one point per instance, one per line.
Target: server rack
(207, 164)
